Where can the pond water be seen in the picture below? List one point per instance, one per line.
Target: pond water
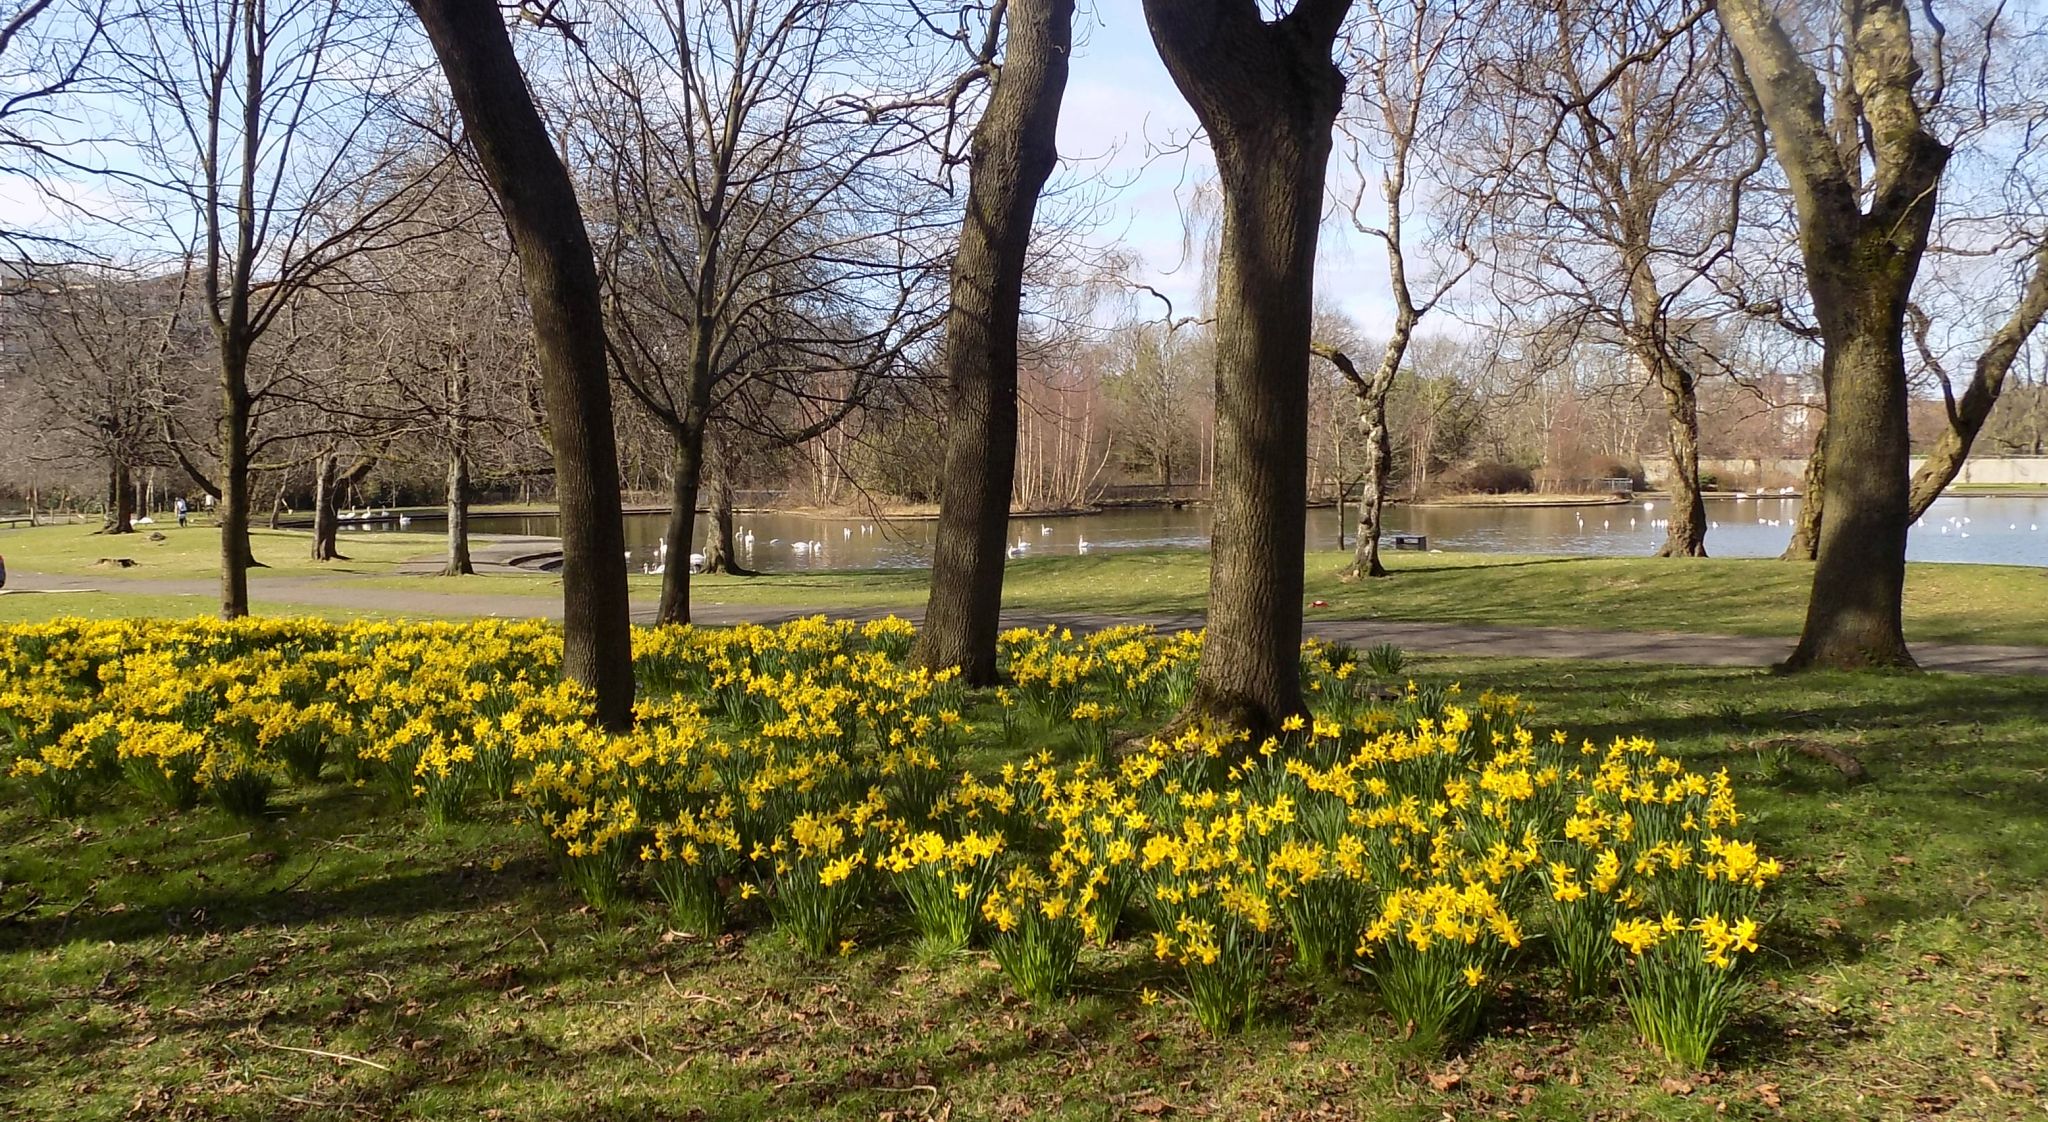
(2010, 530)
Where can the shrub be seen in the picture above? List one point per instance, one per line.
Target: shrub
(1495, 478)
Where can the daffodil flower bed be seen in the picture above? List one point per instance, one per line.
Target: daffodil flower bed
(1433, 846)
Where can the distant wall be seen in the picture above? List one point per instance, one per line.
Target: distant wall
(2001, 470)
(1738, 474)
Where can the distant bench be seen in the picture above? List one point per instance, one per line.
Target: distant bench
(1411, 541)
(9, 522)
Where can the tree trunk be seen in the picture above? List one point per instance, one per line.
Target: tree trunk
(1806, 526)
(1267, 94)
(680, 535)
(720, 554)
(1372, 493)
(1685, 534)
(539, 204)
(120, 500)
(1013, 154)
(458, 515)
(235, 494)
(1854, 617)
(326, 518)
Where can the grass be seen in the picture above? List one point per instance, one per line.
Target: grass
(1944, 603)
(191, 551)
(344, 960)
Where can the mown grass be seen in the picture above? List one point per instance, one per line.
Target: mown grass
(168, 966)
(1943, 603)
(191, 551)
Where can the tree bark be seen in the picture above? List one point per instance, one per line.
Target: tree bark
(1860, 268)
(120, 500)
(1966, 417)
(560, 276)
(681, 532)
(235, 497)
(720, 554)
(326, 519)
(1812, 504)
(1685, 533)
(1013, 153)
(1372, 493)
(1267, 95)
(458, 515)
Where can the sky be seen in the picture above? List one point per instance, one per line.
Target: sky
(1123, 138)
(1123, 119)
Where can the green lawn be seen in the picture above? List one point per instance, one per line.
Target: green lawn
(193, 551)
(344, 960)
(1944, 603)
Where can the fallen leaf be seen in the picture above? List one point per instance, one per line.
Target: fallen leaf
(1671, 1086)
(1445, 1081)
(1152, 1107)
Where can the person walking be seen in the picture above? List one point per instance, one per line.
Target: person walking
(182, 510)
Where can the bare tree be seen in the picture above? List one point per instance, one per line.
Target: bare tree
(91, 346)
(258, 142)
(1412, 84)
(538, 200)
(46, 51)
(1866, 172)
(1611, 216)
(1266, 93)
(1012, 155)
(763, 236)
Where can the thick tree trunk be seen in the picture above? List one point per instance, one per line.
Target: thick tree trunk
(1812, 503)
(681, 531)
(720, 553)
(120, 500)
(539, 203)
(1372, 494)
(1860, 266)
(1685, 534)
(1267, 94)
(458, 516)
(1013, 154)
(1853, 618)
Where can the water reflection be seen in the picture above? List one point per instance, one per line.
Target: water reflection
(2010, 530)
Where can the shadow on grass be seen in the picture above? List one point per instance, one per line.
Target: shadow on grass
(383, 897)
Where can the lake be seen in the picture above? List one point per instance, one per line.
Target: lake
(2009, 530)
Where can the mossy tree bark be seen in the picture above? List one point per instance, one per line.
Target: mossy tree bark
(1267, 94)
(560, 275)
(1012, 154)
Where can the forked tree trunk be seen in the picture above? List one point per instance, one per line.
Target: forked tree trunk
(1860, 267)
(458, 516)
(1267, 95)
(539, 203)
(1812, 504)
(720, 554)
(120, 500)
(1013, 154)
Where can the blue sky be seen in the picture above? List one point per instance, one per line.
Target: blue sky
(1121, 109)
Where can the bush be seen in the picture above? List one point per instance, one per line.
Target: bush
(1495, 478)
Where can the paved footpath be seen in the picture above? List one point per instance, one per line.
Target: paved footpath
(1671, 648)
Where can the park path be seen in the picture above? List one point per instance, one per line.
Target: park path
(1671, 648)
